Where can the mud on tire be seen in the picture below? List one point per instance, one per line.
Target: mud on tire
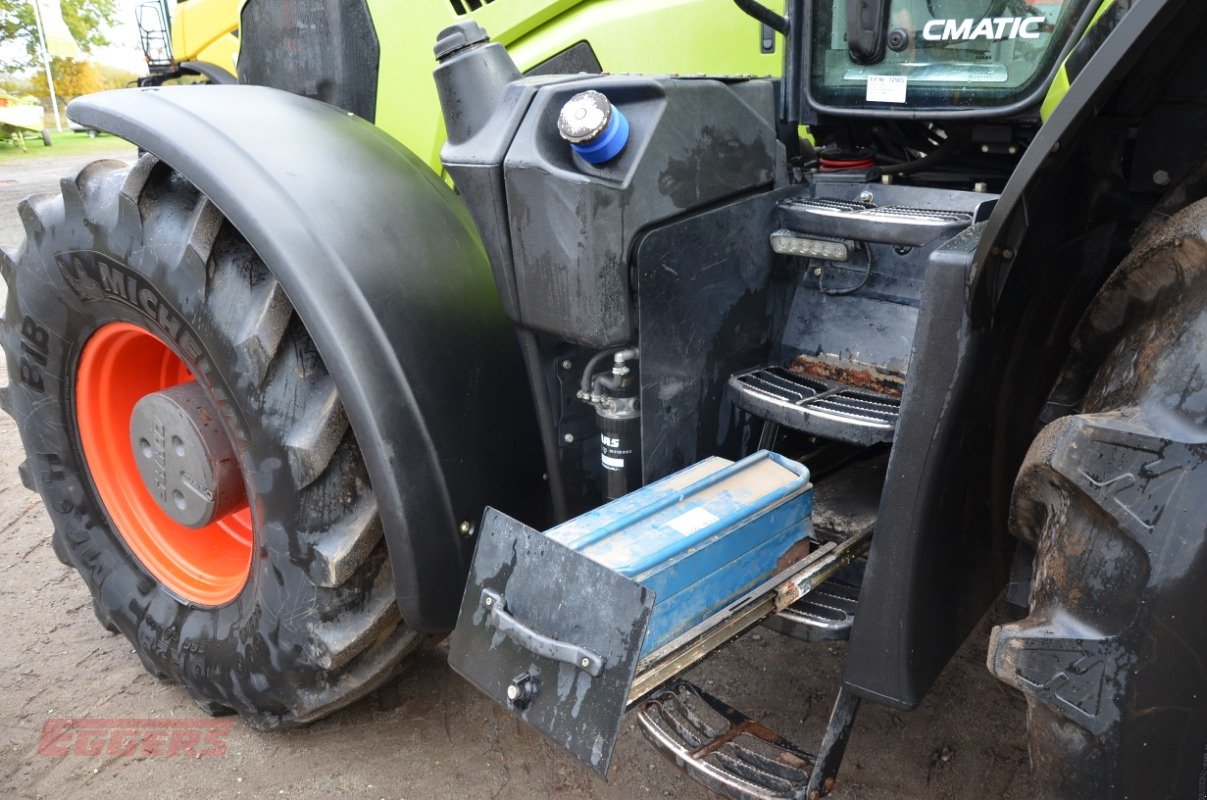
(1111, 657)
(316, 625)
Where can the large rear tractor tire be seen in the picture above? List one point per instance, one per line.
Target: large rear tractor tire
(192, 450)
(1113, 655)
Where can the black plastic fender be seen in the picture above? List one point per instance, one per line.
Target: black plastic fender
(215, 73)
(384, 267)
(211, 72)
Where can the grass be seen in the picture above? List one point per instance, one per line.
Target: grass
(67, 143)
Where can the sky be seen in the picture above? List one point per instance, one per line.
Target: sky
(124, 50)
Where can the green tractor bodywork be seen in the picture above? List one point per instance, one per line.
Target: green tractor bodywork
(1093, 36)
(685, 36)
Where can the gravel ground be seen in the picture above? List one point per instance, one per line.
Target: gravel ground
(429, 734)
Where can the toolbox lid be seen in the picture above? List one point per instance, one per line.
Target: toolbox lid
(644, 534)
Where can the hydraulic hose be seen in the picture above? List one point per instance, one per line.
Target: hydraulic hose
(951, 147)
(592, 364)
(544, 419)
(764, 15)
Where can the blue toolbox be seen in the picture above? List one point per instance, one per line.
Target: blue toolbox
(553, 625)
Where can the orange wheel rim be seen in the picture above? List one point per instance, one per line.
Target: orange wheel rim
(120, 364)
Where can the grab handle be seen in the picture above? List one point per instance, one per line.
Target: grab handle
(499, 618)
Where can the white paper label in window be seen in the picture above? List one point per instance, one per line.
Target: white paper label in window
(887, 88)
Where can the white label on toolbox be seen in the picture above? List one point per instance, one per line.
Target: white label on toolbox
(887, 88)
(693, 521)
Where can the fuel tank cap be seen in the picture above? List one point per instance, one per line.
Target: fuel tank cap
(595, 129)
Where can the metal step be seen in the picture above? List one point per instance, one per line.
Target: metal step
(739, 757)
(844, 505)
(827, 614)
(816, 406)
(722, 748)
(891, 224)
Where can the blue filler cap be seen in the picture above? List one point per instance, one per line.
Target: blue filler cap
(595, 129)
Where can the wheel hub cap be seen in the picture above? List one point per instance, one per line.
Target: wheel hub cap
(184, 457)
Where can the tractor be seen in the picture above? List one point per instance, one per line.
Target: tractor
(850, 318)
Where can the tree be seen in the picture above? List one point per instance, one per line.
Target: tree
(71, 78)
(115, 77)
(86, 20)
(16, 85)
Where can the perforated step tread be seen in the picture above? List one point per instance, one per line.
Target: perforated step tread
(827, 206)
(891, 224)
(816, 406)
(826, 614)
(722, 748)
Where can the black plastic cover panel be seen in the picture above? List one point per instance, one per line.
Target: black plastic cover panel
(573, 224)
(323, 49)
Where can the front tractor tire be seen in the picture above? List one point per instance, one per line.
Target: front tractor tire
(1112, 657)
(192, 450)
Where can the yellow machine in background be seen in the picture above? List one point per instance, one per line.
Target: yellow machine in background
(197, 38)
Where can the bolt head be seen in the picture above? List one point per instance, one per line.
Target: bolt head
(867, 198)
(568, 438)
(567, 364)
(817, 271)
(466, 527)
(1161, 177)
(513, 692)
(490, 601)
(586, 662)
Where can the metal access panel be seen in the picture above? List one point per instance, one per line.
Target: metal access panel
(552, 636)
(553, 624)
